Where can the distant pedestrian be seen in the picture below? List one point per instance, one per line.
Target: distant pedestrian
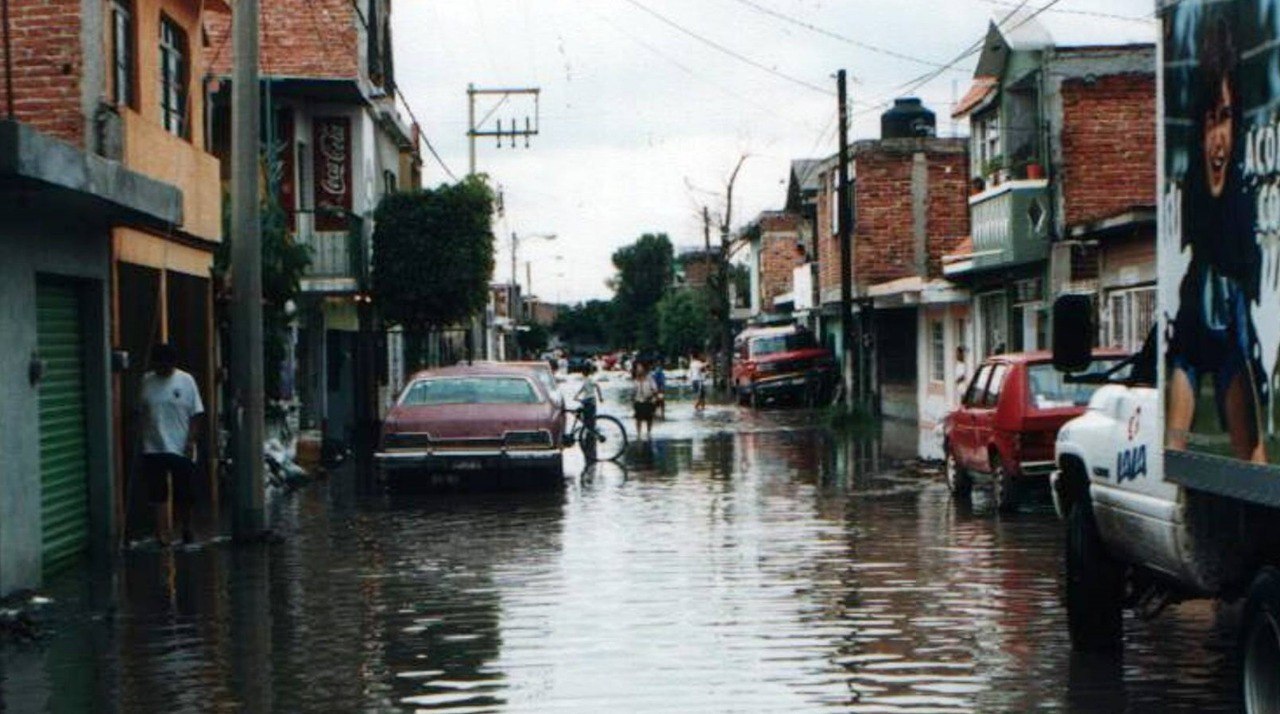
(697, 380)
(645, 400)
(660, 379)
(171, 416)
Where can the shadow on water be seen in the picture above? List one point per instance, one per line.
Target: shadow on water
(735, 562)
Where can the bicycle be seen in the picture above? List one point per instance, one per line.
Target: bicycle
(606, 441)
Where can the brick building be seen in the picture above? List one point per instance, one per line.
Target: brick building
(1063, 154)
(778, 246)
(338, 144)
(910, 209)
(115, 211)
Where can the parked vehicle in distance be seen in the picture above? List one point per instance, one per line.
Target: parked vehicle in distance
(1008, 420)
(544, 373)
(771, 363)
(463, 423)
(579, 365)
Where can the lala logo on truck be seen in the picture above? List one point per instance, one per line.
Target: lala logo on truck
(1131, 463)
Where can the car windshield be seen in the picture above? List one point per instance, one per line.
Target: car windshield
(1050, 389)
(470, 390)
(762, 346)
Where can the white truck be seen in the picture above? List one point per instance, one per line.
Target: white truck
(1170, 483)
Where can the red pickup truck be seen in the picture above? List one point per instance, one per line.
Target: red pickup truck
(772, 363)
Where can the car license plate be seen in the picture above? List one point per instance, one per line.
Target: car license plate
(468, 465)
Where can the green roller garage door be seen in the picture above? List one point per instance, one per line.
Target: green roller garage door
(64, 502)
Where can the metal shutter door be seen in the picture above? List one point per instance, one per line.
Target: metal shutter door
(64, 502)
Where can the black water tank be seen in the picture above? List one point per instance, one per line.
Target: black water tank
(907, 119)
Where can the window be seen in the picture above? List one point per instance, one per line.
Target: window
(174, 74)
(993, 324)
(122, 94)
(973, 395)
(998, 374)
(937, 352)
(764, 346)
(1133, 312)
(1049, 388)
(986, 142)
(470, 390)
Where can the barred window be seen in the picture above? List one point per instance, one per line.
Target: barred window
(174, 76)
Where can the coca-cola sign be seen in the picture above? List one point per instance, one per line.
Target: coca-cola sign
(332, 172)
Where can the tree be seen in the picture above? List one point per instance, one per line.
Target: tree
(532, 338)
(645, 271)
(585, 324)
(283, 264)
(684, 321)
(433, 255)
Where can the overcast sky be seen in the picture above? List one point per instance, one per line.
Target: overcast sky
(646, 105)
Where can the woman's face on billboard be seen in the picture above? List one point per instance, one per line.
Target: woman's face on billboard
(1218, 138)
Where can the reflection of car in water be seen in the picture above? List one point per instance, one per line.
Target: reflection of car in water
(464, 422)
(1008, 419)
(770, 363)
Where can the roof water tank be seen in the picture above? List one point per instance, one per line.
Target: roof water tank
(907, 119)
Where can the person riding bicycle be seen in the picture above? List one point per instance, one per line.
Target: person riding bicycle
(587, 395)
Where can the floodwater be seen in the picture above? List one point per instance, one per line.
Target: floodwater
(738, 563)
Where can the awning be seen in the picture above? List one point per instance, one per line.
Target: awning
(982, 91)
(915, 290)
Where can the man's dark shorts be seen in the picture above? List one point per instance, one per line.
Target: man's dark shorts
(156, 470)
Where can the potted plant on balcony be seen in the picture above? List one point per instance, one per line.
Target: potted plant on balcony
(995, 170)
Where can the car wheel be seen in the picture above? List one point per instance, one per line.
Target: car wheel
(1260, 644)
(958, 480)
(1095, 585)
(1004, 490)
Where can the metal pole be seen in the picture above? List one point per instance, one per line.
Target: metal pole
(471, 126)
(515, 241)
(246, 275)
(844, 205)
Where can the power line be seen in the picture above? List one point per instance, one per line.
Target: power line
(1085, 13)
(725, 50)
(836, 36)
(395, 88)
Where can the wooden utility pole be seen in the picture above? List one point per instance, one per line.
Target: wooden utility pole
(845, 216)
(726, 325)
(246, 277)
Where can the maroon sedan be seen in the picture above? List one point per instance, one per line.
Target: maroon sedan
(470, 421)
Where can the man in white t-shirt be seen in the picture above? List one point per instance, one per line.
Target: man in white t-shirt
(697, 380)
(170, 411)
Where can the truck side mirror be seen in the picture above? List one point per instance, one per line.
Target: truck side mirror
(1072, 333)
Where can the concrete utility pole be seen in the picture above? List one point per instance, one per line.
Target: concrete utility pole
(845, 216)
(246, 276)
(726, 324)
(473, 127)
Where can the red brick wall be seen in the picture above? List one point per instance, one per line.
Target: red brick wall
(948, 206)
(827, 241)
(1108, 146)
(47, 64)
(778, 256)
(300, 38)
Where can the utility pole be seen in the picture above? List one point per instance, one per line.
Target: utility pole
(726, 324)
(845, 216)
(474, 128)
(246, 276)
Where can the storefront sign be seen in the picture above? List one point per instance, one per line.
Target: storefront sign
(332, 172)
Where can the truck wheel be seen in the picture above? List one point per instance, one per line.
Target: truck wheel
(1095, 585)
(1260, 644)
(1003, 489)
(958, 480)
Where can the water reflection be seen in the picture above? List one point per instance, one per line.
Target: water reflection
(774, 568)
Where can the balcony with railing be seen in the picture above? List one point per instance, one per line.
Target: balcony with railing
(339, 258)
(1010, 227)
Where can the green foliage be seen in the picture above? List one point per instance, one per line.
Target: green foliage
(585, 323)
(283, 264)
(645, 271)
(684, 322)
(532, 338)
(433, 255)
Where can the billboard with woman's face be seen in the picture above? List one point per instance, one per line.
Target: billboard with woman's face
(1220, 227)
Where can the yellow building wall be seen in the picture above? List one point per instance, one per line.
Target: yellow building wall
(148, 148)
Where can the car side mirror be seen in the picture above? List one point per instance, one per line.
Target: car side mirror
(1072, 333)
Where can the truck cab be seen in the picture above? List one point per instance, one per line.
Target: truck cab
(771, 363)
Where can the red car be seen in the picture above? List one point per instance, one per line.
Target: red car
(773, 362)
(463, 423)
(1008, 421)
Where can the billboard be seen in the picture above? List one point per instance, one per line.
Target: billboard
(1219, 252)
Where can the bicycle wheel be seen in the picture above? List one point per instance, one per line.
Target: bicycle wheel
(610, 438)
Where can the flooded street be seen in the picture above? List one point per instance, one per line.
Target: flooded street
(736, 563)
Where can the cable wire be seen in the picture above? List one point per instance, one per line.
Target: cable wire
(725, 50)
(1084, 13)
(836, 36)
